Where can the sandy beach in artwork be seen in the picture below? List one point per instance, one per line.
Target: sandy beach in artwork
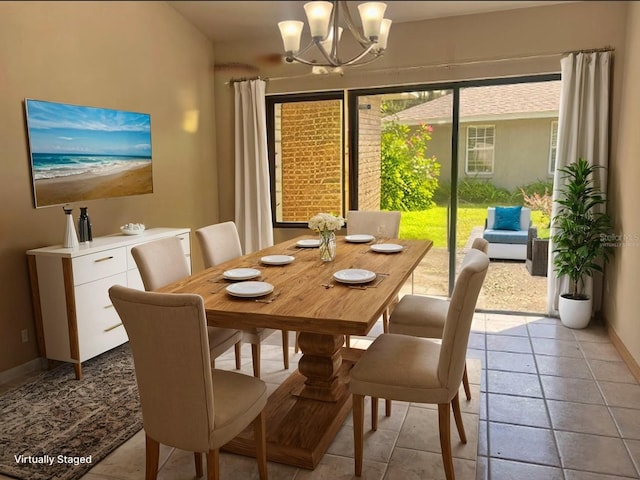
(75, 188)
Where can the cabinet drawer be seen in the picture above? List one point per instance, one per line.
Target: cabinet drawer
(186, 247)
(99, 325)
(99, 265)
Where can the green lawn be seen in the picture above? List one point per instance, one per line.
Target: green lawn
(432, 224)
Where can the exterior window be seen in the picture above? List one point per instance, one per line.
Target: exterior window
(480, 150)
(553, 147)
(306, 156)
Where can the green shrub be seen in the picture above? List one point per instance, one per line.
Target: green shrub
(409, 177)
(477, 191)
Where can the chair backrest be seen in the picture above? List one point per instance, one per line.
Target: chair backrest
(161, 262)
(219, 243)
(481, 244)
(376, 223)
(168, 338)
(525, 218)
(455, 336)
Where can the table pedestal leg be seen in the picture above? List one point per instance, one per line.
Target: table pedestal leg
(306, 411)
(320, 363)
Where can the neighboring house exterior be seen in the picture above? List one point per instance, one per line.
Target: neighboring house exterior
(507, 133)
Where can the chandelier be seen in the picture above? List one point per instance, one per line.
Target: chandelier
(325, 19)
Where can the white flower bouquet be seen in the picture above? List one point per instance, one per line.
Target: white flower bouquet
(324, 222)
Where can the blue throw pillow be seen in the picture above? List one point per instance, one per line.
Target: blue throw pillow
(507, 218)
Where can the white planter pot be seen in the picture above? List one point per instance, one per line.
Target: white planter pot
(574, 313)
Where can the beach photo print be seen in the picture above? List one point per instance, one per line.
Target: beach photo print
(85, 153)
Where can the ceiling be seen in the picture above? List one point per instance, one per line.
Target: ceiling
(233, 20)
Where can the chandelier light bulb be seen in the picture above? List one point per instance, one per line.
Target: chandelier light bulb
(371, 14)
(318, 16)
(291, 32)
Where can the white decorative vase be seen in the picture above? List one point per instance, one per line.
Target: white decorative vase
(327, 245)
(70, 236)
(574, 313)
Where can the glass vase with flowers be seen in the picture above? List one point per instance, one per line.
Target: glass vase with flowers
(326, 225)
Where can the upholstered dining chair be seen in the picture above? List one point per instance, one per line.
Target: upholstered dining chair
(423, 370)
(424, 316)
(162, 262)
(380, 224)
(185, 403)
(219, 243)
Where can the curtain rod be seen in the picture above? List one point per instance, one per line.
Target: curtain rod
(607, 48)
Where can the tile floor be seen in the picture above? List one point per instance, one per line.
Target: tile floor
(555, 404)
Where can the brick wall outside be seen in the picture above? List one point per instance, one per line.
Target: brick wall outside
(311, 161)
(370, 130)
(309, 170)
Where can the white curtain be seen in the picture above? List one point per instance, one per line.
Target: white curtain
(253, 198)
(583, 131)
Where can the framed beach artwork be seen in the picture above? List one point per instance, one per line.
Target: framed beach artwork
(86, 153)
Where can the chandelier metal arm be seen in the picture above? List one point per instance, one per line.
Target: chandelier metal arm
(362, 40)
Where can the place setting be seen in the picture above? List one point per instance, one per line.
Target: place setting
(356, 278)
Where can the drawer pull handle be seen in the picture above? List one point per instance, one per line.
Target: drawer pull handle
(104, 259)
(113, 327)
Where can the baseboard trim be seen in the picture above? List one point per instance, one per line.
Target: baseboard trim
(21, 370)
(624, 353)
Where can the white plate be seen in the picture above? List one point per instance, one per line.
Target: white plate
(387, 248)
(249, 289)
(360, 238)
(354, 275)
(308, 243)
(277, 259)
(241, 273)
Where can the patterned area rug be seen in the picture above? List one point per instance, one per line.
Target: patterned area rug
(53, 426)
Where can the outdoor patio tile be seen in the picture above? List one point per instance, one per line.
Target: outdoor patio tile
(482, 439)
(611, 371)
(563, 366)
(621, 394)
(507, 343)
(558, 332)
(542, 320)
(482, 468)
(560, 348)
(506, 317)
(571, 389)
(628, 421)
(527, 411)
(513, 362)
(600, 351)
(594, 453)
(510, 470)
(581, 418)
(525, 444)
(512, 383)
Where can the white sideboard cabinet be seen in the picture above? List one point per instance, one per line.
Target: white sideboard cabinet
(75, 320)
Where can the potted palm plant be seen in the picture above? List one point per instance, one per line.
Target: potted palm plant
(581, 248)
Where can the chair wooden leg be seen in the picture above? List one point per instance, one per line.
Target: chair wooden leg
(387, 408)
(259, 434)
(445, 439)
(374, 413)
(385, 320)
(197, 458)
(465, 382)
(152, 456)
(347, 341)
(238, 349)
(255, 357)
(213, 464)
(358, 432)
(297, 346)
(455, 404)
(285, 349)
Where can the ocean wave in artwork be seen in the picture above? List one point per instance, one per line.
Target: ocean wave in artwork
(51, 165)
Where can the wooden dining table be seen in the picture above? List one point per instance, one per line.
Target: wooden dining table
(306, 411)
